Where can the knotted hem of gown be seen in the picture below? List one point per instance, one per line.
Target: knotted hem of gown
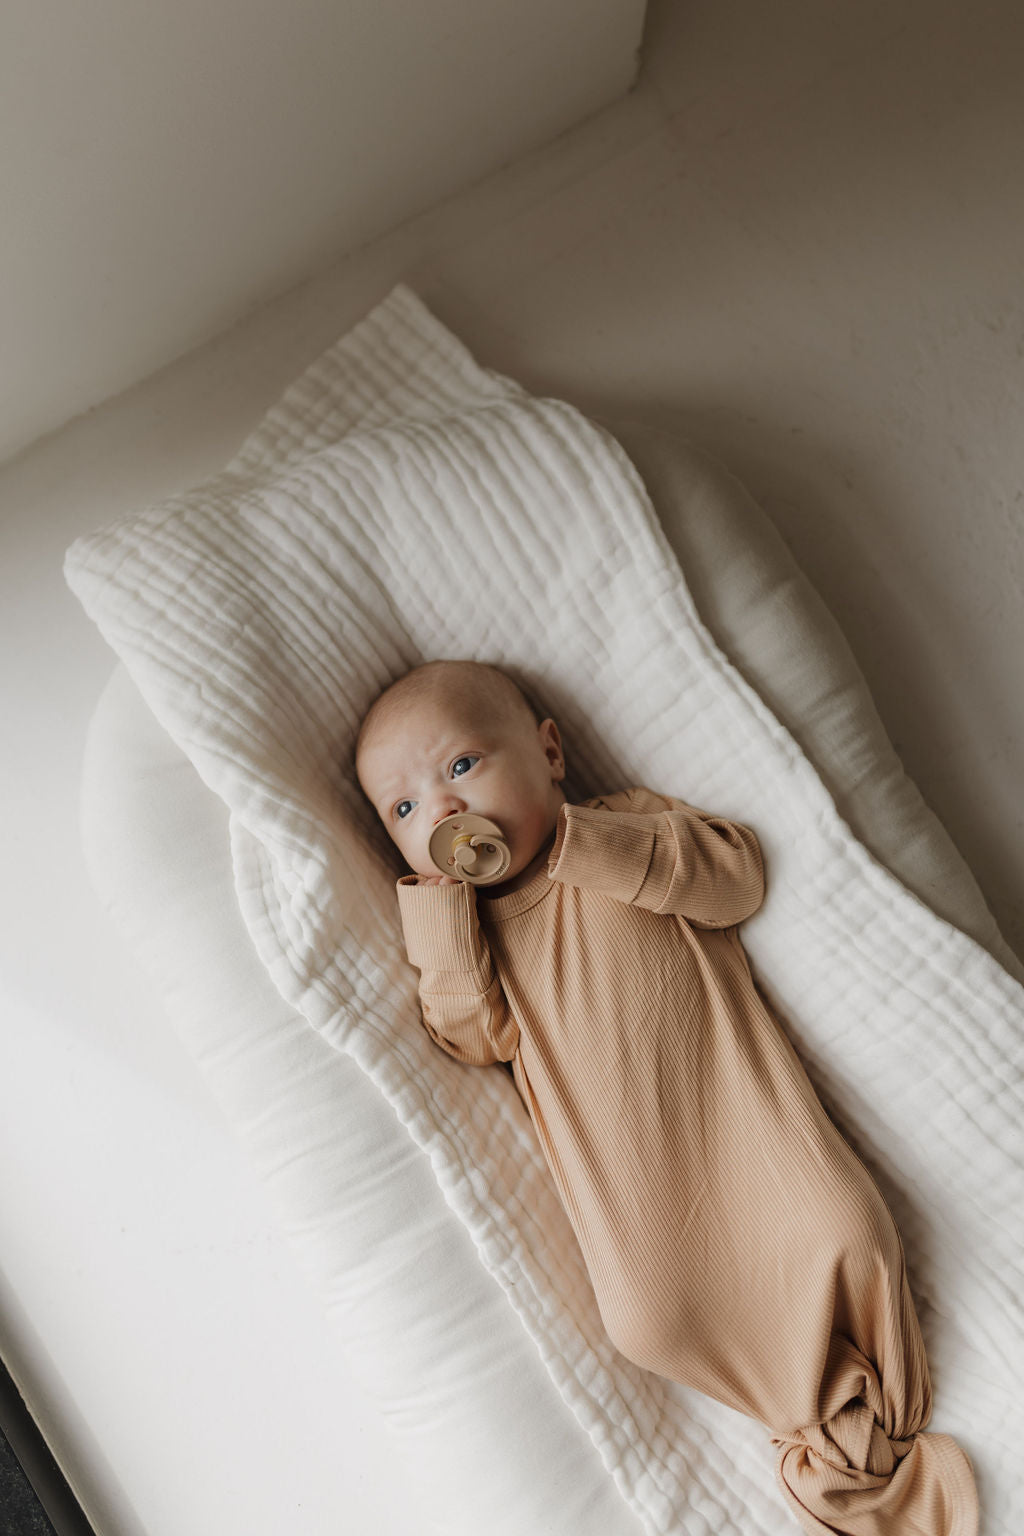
(848, 1478)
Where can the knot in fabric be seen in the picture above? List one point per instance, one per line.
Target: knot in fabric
(848, 1477)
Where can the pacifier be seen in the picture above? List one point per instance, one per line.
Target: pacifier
(469, 848)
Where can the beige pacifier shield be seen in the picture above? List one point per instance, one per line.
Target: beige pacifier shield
(469, 848)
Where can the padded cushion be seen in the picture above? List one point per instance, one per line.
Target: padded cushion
(428, 1328)
(771, 623)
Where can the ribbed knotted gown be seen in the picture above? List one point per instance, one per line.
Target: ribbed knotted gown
(735, 1241)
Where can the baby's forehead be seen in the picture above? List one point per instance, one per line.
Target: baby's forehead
(413, 737)
(425, 722)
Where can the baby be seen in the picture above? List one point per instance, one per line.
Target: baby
(735, 1241)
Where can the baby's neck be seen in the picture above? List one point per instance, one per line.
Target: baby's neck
(506, 887)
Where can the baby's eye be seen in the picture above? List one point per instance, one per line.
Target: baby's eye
(469, 757)
(398, 808)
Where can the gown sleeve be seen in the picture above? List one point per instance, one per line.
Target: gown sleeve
(464, 1008)
(672, 860)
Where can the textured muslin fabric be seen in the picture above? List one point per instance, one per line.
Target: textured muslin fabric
(735, 1241)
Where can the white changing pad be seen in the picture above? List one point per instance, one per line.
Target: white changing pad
(673, 1453)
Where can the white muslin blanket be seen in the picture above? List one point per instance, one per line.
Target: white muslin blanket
(402, 503)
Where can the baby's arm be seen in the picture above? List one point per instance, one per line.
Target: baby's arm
(672, 860)
(464, 1009)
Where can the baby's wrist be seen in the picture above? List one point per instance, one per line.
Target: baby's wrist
(440, 923)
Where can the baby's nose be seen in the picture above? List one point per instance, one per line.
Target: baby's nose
(449, 807)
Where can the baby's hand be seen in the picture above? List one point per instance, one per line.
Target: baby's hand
(438, 880)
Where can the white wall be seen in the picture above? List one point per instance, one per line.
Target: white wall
(166, 167)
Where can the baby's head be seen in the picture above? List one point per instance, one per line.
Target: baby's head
(455, 736)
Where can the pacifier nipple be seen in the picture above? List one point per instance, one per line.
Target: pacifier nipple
(469, 848)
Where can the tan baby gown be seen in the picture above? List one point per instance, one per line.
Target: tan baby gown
(735, 1241)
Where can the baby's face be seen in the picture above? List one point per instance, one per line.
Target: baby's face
(437, 761)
